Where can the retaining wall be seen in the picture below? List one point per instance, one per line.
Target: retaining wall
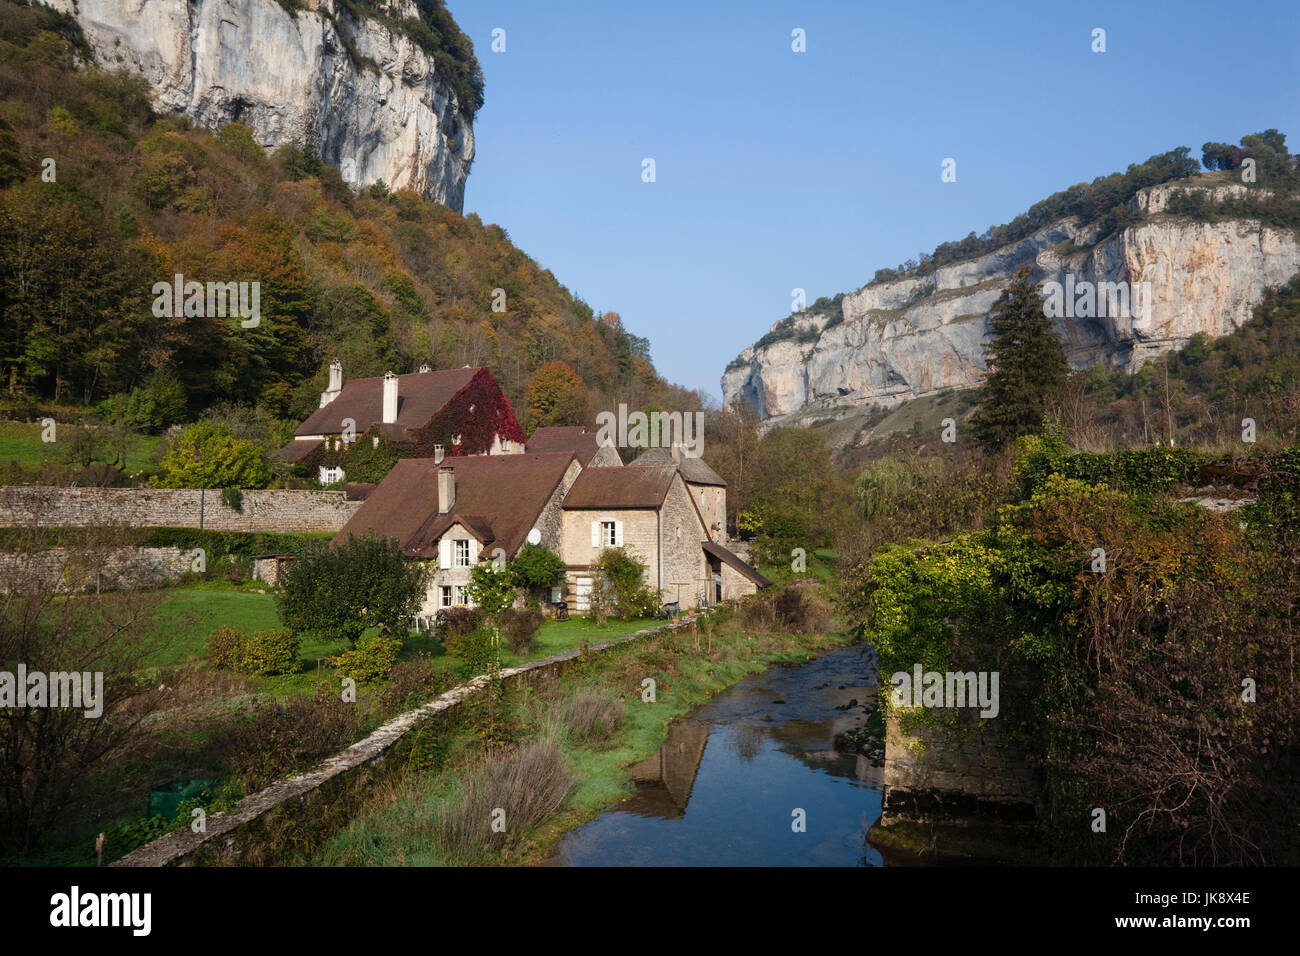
(265, 510)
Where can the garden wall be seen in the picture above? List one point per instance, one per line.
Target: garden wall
(267, 510)
(65, 571)
(296, 815)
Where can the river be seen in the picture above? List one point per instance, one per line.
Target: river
(738, 775)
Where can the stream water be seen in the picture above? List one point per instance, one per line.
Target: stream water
(728, 785)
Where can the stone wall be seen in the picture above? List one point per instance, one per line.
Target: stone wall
(955, 775)
(65, 571)
(294, 815)
(683, 557)
(269, 510)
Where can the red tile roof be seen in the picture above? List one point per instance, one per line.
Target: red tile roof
(572, 438)
(626, 487)
(420, 396)
(498, 498)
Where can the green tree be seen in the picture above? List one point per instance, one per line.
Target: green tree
(1027, 366)
(210, 456)
(349, 585)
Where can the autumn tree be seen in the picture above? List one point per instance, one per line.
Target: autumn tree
(557, 396)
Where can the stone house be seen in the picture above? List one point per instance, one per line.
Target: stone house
(426, 414)
(453, 513)
(573, 496)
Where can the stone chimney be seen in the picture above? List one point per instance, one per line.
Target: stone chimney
(677, 449)
(336, 383)
(390, 399)
(446, 489)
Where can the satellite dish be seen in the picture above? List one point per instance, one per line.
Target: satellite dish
(534, 537)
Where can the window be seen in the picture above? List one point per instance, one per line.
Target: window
(609, 534)
(445, 599)
(462, 553)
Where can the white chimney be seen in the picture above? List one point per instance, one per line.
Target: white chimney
(390, 398)
(677, 449)
(446, 489)
(336, 383)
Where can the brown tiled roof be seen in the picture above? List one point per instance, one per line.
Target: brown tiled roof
(572, 438)
(420, 396)
(358, 490)
(718, 551)
(498, 498)
(298, 449)
(610, 488)
(693, 470)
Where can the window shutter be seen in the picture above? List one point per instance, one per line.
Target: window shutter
(618, 534)
(444, 553)
(473, 552)
(595, 534)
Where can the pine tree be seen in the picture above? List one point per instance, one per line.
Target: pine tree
(1027, 366)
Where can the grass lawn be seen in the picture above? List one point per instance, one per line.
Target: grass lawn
(22, 443)
(189, 613)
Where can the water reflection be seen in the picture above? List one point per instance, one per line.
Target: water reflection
(723, 789)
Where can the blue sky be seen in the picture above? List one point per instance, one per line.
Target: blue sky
(777, 170)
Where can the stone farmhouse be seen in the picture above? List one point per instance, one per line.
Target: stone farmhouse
(425, 414)
(575, 498)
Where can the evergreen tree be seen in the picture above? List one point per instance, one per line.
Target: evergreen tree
(1027, 366)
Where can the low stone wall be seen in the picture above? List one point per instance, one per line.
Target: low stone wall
(266, 510)
(295, 815)
(956, 775)
(65, 571)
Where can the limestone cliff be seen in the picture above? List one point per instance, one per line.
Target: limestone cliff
(369, 97)
(910, 337)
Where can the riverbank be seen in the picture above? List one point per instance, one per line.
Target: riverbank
(455, 811)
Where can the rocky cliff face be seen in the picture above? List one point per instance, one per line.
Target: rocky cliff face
(910, 337)
(369, 98)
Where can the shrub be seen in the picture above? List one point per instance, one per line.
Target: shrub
(475, 649)
(801, 609)
(411, 683)
(619, 589)
(370, 661)
(520, 627)
(456, 621)
(271, 651)
(593, 717)
(225, 648)
(272, 739)
(529, 783)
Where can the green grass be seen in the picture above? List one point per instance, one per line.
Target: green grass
(189, 613)
(22, 443)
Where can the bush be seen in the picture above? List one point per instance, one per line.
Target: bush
(271, 651)
(619, 589)
(412, 683)
(475, 649)
(263, 653)
(272, 739)
(529, 784)
(370, 661)
(520, 627)
(225, 648)
(801, 610)
(593, 717)
(455, 621)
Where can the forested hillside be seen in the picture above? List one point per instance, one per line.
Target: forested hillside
(101, 199)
